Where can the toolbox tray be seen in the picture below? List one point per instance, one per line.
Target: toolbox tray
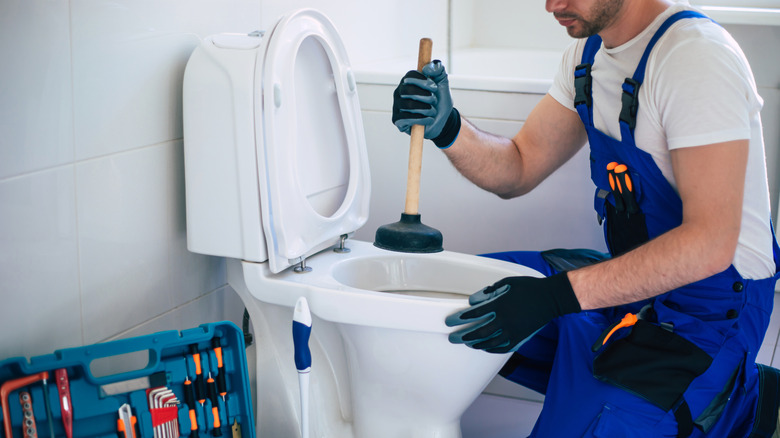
(165, 359)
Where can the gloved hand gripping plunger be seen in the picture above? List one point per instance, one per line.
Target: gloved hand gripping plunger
(410, 234)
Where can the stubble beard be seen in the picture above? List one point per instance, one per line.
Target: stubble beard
(601, 15)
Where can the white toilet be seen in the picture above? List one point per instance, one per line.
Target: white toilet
(277, 178)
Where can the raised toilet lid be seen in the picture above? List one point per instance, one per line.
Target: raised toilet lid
(313, 168)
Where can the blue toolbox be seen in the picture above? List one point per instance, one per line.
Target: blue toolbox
(192, 383)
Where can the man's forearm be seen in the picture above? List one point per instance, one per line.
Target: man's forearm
(550, 136)
(681, 256)
(489, 161)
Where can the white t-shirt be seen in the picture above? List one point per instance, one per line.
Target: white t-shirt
(698, 90)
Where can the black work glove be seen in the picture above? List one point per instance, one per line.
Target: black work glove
(425, 99)
(510, 311)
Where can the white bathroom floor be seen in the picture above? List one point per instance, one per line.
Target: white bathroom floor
(492, 416)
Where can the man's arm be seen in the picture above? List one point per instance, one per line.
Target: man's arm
(711, 181)
(550, 136)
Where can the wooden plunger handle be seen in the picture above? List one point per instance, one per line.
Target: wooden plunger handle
(416, 142)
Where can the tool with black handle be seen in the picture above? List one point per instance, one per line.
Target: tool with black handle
(217, 424)
(626, 187)
(189, 399)
(216, 345)
(614, 185)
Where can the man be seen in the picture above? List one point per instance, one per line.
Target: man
(659, 339)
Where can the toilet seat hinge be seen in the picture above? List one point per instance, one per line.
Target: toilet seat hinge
(342, 249)
(302, 268)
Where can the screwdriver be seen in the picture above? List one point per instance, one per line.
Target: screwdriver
(626, 187)
(616, 190)
(189, 398)
(200, 383)
(216, 345)
(66, 407)
(216, 431)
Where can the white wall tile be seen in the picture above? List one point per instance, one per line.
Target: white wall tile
(506, 24)
(123, 205)
(222, 304)
(39, 264)
(128, 63)
(133, 240)
(374, 30)
(36, 122)
(754, 41)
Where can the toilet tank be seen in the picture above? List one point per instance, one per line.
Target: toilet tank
(221, 185)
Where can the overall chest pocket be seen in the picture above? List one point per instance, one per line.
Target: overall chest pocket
(618, 204)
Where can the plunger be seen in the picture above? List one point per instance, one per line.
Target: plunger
(410, 234)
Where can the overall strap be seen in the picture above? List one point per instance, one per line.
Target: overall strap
(630, 98)
(583, 81)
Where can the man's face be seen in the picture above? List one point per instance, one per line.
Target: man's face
(586, 17)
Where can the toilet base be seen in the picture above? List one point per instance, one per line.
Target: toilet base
(384, 371)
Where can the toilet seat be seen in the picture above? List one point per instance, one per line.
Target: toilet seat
(312, 161)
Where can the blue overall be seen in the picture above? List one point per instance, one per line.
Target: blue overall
(690, 362)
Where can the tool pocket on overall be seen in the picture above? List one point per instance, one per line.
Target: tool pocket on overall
(617, 202)
(652, 362)
(624, 231)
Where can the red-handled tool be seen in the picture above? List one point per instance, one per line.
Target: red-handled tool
(11, 386)
(66, 407)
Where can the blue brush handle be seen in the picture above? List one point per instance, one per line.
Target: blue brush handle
(301, 334)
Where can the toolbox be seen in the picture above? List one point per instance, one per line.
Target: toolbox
(192, 383)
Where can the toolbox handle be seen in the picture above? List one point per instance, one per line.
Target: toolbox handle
(153, 344)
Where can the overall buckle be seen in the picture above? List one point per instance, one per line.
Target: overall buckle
(630, 100)
(583, 84)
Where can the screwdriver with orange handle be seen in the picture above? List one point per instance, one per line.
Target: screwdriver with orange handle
(200, 382)
(626, 188)
(629, 320)
(189, 399)
(212, 386)
(216, 345)
(614, 185)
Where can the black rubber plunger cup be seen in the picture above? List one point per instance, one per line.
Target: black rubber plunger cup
(410, 234)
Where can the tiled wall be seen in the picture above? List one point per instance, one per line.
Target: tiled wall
(92, 227)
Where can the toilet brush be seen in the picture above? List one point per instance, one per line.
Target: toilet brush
(301, 331)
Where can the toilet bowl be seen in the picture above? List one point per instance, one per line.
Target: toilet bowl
(277, 179)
